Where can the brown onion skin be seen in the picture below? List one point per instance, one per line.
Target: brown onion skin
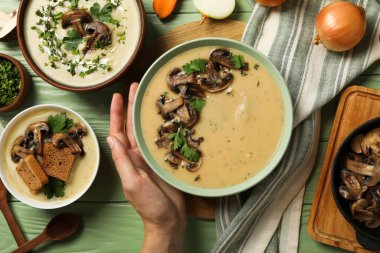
(340, 26)
(270, 3)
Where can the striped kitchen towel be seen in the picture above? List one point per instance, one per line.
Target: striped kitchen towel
(250, 222)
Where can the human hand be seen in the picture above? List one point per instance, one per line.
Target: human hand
(161, 207)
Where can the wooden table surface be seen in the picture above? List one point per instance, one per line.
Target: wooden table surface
(110, 223)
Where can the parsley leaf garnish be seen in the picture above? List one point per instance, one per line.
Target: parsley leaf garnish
(74, 4)
(60, 123)
(196, 65)
(55, 187)
(104, 14)
(238, 61)
(197, 104)
(73, 40)
(179, 143)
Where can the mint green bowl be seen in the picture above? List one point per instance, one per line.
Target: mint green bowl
(213, 192)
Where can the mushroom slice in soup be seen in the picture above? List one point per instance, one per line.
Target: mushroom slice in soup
(217, 79)
(100, 36)
(20, 149)
(34, 132)
(77, 18)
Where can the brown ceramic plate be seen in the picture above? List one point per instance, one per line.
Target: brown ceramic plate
(29, 43)
(25, 84)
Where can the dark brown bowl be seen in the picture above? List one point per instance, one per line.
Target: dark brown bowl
(369, 238)
(24, 49)
(26, 83)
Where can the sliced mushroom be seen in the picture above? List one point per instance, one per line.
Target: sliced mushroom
(217, 79)
(77, 133)
(20, 149)
(352, 189)
(374, 178)
(189, 165)
(189, 90)
(373, 198)
(163, 142)
(359, 167)
(169, 127)
(173, 160)
(35, 132)
(188, 116)
(359, 210)
(191, 142)
(100, 33)
(76, 18)
(371, 143)
(168, 107)
(356, 144)
(177, 78)
(222, 57)
(60, 140)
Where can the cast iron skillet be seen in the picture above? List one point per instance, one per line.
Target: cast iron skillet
(367, 237)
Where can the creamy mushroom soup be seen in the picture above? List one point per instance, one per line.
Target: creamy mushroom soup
(81, 174)
(82, 45)
(241, 126)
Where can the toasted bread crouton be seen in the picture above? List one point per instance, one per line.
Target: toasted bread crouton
(57, 162)
(32, 174)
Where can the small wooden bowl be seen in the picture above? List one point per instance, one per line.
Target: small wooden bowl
(26, 83)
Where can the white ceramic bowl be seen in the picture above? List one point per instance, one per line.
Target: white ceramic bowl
(76, 186)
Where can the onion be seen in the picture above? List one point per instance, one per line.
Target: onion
(270, 3)
(216, 9)
(340, 26)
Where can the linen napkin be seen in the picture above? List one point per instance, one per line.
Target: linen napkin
(314, 76)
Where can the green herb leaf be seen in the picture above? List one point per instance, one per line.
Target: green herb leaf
(197, 178)
(178, 139)
(73, 40)
(104, 14)
(59, 123)
(55, 187)
(190, 153)
(10, 82)
(196, 65)
(74, 4)
(197, 104)
(238, 61)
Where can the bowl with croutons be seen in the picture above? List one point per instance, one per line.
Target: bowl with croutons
(50, 156)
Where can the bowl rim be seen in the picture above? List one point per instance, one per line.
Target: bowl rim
(25, 83)
(52, 205)
(277, 155)
(358, 226)
(40, 73)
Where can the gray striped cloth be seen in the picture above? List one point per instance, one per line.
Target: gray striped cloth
(267, 218)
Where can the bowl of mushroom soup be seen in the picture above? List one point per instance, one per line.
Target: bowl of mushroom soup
(81, 45)
(212, 117)
(355, 182)
(50, 156)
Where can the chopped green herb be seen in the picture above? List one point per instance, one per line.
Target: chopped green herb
(197, 178)
(58, 16)
(74, 4)
(10, 82)
(55, 187)
(73, 40)
(238, 61)
(104, 14)
(196, 65)
(256, 66)
(179, 143)
(122, 36)
(60, 123)
(197, 104)
(190, 153)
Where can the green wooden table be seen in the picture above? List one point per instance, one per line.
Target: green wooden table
(110, 222)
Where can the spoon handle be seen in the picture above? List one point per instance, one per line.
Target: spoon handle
(13, 225)
(32, 244)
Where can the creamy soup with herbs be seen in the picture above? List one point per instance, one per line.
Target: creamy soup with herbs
(83, 42)
(61, 134)
(213, 117)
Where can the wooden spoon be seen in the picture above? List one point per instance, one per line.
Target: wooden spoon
(60, 227)
(15, 229)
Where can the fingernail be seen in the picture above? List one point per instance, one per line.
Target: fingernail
(110, 141)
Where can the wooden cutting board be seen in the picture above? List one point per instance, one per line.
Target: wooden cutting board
(203, 208)
(326, 224)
